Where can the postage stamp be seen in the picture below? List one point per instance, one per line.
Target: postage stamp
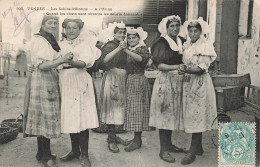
(236, 144)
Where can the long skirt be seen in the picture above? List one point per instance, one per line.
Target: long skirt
(112, 97)
(44, 105)
(137, 110)
(21, 62)
(78, 105)
(166, 103)
(199, 104)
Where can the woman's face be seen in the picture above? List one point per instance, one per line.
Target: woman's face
(173, 29)
(50, 26)
(132, 40)
(120, 35)
(194, 34)
(72, 30)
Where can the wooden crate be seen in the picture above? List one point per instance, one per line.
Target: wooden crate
(230, 90)
(229, 97)
(224, 80)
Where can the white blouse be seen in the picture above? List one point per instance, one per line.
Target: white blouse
(201, 53)
(41, 50)
(81, 50)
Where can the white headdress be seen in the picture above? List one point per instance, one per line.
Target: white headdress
(142, 34)
(89, 34)
(163, 30)
(205, 29)
(108, 33)
(36, 22)
(162, 25)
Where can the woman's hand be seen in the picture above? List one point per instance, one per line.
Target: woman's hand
(182, 69)
(68, 58)
(48, 65)
(31, 68)
(122, 44)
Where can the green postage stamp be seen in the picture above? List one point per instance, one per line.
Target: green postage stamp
(237, 144)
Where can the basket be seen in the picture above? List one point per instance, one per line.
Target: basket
(7, 133)
(15, 123)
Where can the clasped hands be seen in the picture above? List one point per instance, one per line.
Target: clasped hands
(182, 69)
(122, 44)
(67, 58)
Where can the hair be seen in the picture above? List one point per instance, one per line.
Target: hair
(117, 29)
(46, 18)
(172, 20)
(136, 34)
(196, 25)
(79, 22)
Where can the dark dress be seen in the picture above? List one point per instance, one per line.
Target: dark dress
(138, 93)
(112, 95)
(21, 61)
(166, 101)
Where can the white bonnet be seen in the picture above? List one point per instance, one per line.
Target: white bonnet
(162, 25)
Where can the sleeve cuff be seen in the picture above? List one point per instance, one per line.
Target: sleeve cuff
(203, 66)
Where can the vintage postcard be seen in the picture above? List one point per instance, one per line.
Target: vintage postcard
(77, 35)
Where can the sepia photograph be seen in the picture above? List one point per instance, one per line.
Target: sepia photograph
(120, 83)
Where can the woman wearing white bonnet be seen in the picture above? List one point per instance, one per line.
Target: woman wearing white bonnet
(199, 102)
(166, 102)
(138, 91)
(112, 94)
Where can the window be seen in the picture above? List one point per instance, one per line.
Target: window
(250, 17)
(155, 10)
(152, 12)
(203, 9)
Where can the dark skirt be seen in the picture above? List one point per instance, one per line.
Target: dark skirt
(137, 111)
(21, 63)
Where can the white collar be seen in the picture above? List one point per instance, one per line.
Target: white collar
(136, 46)
(172, 43)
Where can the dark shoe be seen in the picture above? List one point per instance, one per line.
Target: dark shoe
(166, 156)
(39, 157)
(113, 147)
(85, 162)
(198, 152)
(175, 149)
(49, 163)
(69, 156)
(123, 142)
(133, 146)
(188, 159)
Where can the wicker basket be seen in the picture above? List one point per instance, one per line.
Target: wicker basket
(15, 123)
(7, 133)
